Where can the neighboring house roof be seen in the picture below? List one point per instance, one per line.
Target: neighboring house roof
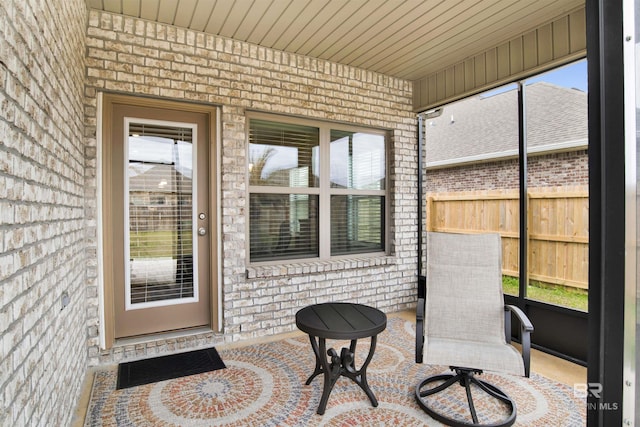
(157, 178)
(485, 128)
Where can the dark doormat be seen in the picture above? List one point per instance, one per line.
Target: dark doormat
(148, 371)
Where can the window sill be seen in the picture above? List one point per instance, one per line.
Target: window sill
(312, 267)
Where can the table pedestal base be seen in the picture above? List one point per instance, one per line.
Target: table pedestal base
(340, 365)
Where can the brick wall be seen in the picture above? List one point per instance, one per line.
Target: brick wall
(549, 170)
(134, 56)
(42, 238)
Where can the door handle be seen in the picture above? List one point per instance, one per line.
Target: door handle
(202, 231)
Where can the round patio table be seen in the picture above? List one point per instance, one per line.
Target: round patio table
(340, 321)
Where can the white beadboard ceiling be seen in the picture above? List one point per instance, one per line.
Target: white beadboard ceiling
(409, 39)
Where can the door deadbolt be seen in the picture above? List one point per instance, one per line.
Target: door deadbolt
(202, 215)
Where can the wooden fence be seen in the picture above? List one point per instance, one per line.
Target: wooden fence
(558, 234)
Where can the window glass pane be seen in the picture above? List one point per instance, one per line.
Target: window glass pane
(159, 179)
(283, 226)
(283, 155)
(472, 171)
(357, 160)
(288, 155)
(557, 185)
(357, 224)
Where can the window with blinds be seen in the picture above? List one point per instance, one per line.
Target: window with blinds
(314, 191)
(159, 220)
(283, 155)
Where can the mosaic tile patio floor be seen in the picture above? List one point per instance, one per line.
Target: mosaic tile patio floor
(263, 385)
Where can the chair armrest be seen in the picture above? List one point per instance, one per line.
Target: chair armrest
(524, 320)
(526, 327)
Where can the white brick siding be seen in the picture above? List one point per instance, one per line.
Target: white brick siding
(43, 349)
(134, 56)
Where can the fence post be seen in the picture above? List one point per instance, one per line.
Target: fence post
(430, 213)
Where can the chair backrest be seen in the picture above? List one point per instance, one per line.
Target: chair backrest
(464, 287)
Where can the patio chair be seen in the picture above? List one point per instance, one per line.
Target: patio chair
(463, 323)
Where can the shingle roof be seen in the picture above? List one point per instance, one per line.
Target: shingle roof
(158, 178)
(483, 125)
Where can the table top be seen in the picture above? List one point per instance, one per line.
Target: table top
(341, 320)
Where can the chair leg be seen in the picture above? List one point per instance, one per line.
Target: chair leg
(464, 377)
(472, 407)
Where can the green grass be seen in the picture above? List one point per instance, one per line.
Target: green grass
(553, 294)
(157, 244)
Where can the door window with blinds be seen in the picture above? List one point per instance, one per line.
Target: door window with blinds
(159, 261)
(316, 190)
